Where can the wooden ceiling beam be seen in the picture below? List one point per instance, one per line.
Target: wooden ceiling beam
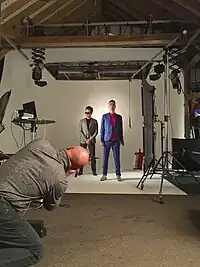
(95, 41)
(17, 9)
(76, 11)
(11, 24)
(188, 6)
(50, 10)
(83, 11)
(60, 11)
(94, 15)
(124, 7)
(169, 8)
(43, 10)
(194, 61)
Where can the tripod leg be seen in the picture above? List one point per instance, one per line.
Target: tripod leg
(156, 166)
(161, 190)
(145, 176)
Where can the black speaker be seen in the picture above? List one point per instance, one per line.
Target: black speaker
(1, 67)
(187, 153)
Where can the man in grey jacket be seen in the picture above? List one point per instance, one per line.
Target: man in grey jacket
(35, 173)
(88, 129)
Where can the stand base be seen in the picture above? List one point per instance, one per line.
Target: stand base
(168, 174)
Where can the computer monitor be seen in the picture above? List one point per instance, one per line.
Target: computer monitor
(30, 108)
(3, 105)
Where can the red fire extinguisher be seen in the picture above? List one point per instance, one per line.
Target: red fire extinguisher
(139, 160)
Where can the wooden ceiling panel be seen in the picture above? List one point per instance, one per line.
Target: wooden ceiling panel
(10, 9)
(82, 13)
(124, 9)
(46, 10)
(172, 8)
(61, 12)
(148, 8)
(51, 11)
(11, 24)
(192, 6)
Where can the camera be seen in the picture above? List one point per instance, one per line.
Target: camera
(38, 226)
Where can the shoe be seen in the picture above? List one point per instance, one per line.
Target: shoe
(80, 173)
(103, 178)
(119, 179)
(94, 173)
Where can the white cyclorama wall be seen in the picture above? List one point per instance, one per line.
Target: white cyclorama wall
(64, 102)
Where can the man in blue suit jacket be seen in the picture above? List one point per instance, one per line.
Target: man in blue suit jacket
(111, 135)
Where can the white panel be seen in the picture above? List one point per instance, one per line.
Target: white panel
(65, 102)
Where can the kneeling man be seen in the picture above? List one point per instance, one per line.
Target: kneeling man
(35, 173)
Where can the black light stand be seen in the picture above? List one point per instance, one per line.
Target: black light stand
(154, 117)
(149, 159)
(164, 160)
(152, 168)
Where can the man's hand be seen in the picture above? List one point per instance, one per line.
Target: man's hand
(102, 143)
(87, 141)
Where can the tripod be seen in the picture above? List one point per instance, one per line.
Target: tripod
(152, 168)
(164, 160)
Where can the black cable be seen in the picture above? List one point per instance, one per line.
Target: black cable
(65, 205)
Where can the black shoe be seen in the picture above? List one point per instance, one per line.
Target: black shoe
(103, 178)
(95, 173)
(119, 179)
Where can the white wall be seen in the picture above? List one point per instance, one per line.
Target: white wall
(64, 102)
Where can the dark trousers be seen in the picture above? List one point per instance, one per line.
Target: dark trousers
(115, 146)
(20, 245)
(91, 148)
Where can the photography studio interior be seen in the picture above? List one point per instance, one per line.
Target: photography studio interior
(65, 65)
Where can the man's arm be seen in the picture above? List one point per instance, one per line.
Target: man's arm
(53, 198)
(96, 131)
(121, 131)
(81, 131)
(102, 130)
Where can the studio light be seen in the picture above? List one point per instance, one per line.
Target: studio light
(159, 69)
(38, 56)
(154, 77)
(174, 77)
(37, 73)
(41, 83)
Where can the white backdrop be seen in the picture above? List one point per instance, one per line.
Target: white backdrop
(64, 102)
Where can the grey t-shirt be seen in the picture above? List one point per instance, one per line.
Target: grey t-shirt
(36, 172)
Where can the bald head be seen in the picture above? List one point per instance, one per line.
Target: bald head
(78, 156)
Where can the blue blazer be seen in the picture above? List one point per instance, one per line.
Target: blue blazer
(106, 128)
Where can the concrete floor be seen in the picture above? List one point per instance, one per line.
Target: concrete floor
(122, 230)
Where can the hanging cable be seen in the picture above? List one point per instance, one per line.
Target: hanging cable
(38, 56)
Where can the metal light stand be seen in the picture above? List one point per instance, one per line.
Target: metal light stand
(166, 153)
(152, 160)
(163, 161)
(152, 168)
